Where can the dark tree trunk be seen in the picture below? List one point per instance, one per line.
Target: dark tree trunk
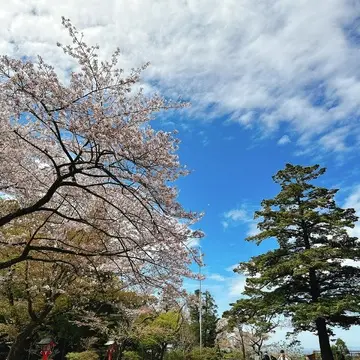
(162, 351)
(18, 348)
(242, 343)
(120, 350)
(324, 342)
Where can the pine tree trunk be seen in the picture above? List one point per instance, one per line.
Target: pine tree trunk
(162, 351)
(324, 342)
(17, 350)
(325, 348)
(242, 344)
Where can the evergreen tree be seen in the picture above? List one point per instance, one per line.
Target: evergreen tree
(308, 276)
(209, 319)
(340, 350)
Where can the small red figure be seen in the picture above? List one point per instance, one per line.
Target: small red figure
(111, 351)
(47, 350)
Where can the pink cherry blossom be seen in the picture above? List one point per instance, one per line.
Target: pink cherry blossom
(90, 177)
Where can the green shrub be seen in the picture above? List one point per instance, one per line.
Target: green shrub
(85, 355)
(233, 355)
(206, 354)
(175, 355)
(131, 355)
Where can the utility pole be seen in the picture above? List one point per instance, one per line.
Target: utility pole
(200, 304)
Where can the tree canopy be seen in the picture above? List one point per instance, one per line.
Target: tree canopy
(308, 277)
(87, 196)
(209, 318)
(94, 242)
(82, 166)
(255, 321)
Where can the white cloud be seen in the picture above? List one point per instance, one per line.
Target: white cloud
(353, 201)
(226, 291)
(237, 286)
(284, 140)
(261, 62)
(335, 140)
(252, 230)
(232, 267)
(240, 215)
(216, 277)
(236, 215)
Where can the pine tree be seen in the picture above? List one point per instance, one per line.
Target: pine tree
(209, 319)
(308, 276)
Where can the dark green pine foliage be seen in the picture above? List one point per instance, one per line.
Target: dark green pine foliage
(209, 319)
(308, 277)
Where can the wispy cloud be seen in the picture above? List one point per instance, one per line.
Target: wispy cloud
(236, 215)
(225, 289)
(260, 63)
(237, 286)
(240, 215)
(216, 277)
(204, 138)
(284, 140)
(232, 267)
(252, 230)
(353, 201)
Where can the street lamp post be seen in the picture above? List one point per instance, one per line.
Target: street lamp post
(200, 303)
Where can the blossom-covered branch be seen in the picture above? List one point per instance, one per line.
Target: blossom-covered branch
(89, 175)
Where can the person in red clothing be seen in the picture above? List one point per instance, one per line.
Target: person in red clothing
(47, 350)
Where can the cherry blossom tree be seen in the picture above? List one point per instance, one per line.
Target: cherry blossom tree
(35, 295)
(29, 293)
(84, 172)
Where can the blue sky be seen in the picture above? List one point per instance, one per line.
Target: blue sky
(231, 176)
(269, 82)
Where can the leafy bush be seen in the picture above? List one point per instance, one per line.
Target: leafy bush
(176, 355)
(233, 355)
(340, 349)
(131, 355)
(85, 355)
(206, 354)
